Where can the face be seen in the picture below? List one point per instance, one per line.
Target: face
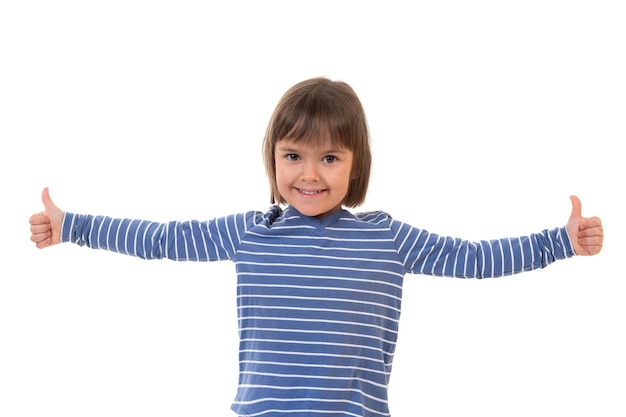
(314, 180)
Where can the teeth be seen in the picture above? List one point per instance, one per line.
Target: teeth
(309, 192)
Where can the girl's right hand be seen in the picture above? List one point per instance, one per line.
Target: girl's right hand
(45, 227)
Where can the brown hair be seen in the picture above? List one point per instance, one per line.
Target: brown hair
(312, 111)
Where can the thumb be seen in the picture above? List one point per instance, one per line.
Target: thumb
(54, 215)
(574, 223)
(47, 201)
(576, 208)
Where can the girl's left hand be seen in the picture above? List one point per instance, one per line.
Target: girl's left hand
(586, 233)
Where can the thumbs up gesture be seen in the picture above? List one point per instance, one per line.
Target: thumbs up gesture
(586, 233)
(45, 227)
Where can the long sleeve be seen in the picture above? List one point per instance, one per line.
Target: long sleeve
(425, 253)
(194, 240)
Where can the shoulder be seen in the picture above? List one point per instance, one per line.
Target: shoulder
(378, 219)
(368, 219)
(260, 218)
(245, 220)
(373, 216)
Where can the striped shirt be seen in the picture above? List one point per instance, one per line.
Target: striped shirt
(318, 300)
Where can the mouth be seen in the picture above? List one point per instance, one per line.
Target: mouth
(309, 192)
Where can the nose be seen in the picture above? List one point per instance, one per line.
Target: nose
(310, 172)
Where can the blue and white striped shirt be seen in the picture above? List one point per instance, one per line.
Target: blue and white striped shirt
(318, 300)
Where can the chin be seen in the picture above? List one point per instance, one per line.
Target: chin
(310, 213)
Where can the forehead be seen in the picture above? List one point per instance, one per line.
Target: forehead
(319, 145)
(314, 135)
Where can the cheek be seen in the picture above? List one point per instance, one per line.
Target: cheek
(281, 179)
(277, 171)
(348, 176)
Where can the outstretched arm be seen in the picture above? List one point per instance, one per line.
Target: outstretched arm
(432, 254)
(586, 233)
(45, 227)
(211, 240)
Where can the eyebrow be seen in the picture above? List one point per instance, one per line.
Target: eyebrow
(296, 150)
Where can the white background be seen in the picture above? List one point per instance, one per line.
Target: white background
(485, 116)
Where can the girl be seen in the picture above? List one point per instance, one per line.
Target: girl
(319, 287)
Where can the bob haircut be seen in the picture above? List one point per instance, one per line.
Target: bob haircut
(311, 112)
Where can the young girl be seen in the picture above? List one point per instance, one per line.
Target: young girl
(319, 287)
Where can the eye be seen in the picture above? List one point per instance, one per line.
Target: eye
(292, 157)
(330, 159)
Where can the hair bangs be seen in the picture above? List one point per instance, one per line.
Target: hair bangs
(316, 129)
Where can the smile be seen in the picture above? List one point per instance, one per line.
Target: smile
(309, 192)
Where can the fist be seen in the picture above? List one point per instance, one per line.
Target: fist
(586, 233)
(45, 226)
